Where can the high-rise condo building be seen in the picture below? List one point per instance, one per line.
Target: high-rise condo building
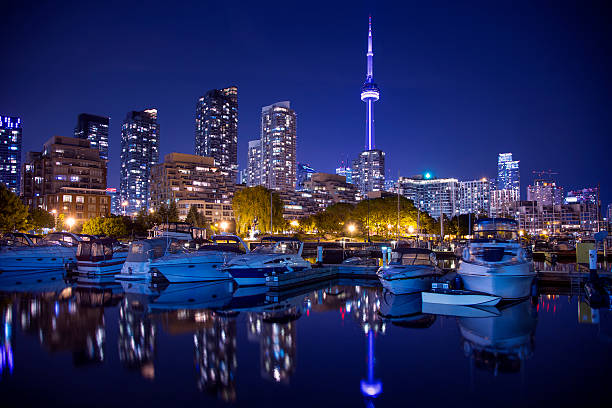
(278, 146)
(369, 167)
(435, 196)
(10, 152)
(216, 128)
(67, 177)
(586, 195)
(139, 152)
(475, 196)
(303, 173)
(95, 129)
(345, 171)
(508, 176)
(545, 192)
(254, 163)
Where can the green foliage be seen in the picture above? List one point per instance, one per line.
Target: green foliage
(168, 213)
(60, 225)
(39, 219)
(13, 214)
(333, 219)
(108, 226)
(195, 217)
(253, 204)
(94, 226)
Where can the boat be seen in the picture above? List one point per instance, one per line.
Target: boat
(204, 264)
(459, 298)
(100, 256)
(273, 255)
(141, 253)
(54, 251)
(19, 239)
(410, 270)
(494, 262)
(404, 310)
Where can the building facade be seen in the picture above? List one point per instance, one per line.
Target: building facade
(216, 128)
(508, 175)
(191, 180)
(95, 129)
(475, 196)
(333, 187)
(139, 152)
(10, 152)
(345, 171)
(303, 173)
(586, 195)
(278, 146)
(68, 177)
(545, 192)
(435, 196)
(369, 171)
(535, 218)
(503, 203)
(254, 164)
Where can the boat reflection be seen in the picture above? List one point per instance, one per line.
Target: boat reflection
(501, 343)
(405, 310)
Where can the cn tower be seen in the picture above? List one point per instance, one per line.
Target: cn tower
(370, 92)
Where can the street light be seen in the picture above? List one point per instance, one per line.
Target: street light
(351, 228)
(70, 221)
(124, 204)
(294, 223)
(223, 224)
(410, 229)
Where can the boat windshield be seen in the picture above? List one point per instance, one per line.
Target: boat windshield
(59, 238)
(288, 247)
(411, 259)
(496, 229)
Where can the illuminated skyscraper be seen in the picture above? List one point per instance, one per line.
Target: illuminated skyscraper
(95, 129)
(303, 174)
(508, 177)
(216, 128)
(139, 151)
(10, 152)
(369, 167)
(278, 146)
(254, 164)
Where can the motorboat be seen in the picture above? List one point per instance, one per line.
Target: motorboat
(181, 231)
(494, 262)
(100, 256)
(410, 270)
(19, 239)
(273, 255)
(137, 265)
(204, 264)
(54, 251)
(459, 298)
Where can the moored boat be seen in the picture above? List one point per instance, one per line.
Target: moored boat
(410, 270)
(54, 251)
(100, 256)
(459, 298)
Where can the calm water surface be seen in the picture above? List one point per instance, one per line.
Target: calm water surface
(335, 344)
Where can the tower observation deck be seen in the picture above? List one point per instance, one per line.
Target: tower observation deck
(370, 92)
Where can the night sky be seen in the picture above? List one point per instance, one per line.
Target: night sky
(459, 82)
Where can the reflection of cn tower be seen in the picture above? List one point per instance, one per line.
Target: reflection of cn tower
(6, 340)
(215, 354)
(136, 339)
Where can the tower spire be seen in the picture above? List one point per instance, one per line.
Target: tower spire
(370, 53)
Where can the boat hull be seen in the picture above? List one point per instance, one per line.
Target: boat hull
(192, 268)
(407, 279)
(508, 281)
(134, 271)
(109, 267)
(36, 258)
(248, 276)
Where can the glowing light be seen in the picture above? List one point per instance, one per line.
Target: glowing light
(151, 210)
(125, 203)
(70, 222)
(521, 233)
(54, 211)
(224, 225)
(351, 228)
(427, 176)
(411, 229)
(294, 223)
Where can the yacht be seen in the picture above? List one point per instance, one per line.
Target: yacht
(52, 252)
(137, 265)
(494, 262)
(19, 239)
(410, 270)
(274, 254)
(204, 264)
(100, 256)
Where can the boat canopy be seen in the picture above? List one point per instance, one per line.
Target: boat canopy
(504, 229)
(60, 238)
(286, 247)
(96, 250)
(142, 251)
(413, 256)
(279, 239)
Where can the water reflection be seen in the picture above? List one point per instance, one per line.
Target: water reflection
(6, 338)
(136, 338)
(500, 343)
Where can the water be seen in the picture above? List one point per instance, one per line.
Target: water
(87, 344)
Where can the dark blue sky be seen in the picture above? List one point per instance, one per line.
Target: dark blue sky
(459, 82)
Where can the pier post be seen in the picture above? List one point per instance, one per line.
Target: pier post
(384, 256)
(320, 255)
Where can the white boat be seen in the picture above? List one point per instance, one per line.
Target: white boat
(101, 256)
(459, 310)
(53, 252)
(140, 255)
(275, 254)
(459, 298)
(204, 264)
(494, 261)
(410, 270)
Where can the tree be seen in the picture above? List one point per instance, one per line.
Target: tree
(173, 215)
(114, 227)
(13, 214)
(94, 226)
(60, 225)
(252, 204)
(380, 216)
(39, 219)
(195, 217)
(333, 219)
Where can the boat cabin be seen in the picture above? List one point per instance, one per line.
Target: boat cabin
(96, 250)
(225, 243)
(412, 256)
(20, 239)
(61, 238)
(147, 249)
(495, 229)
(178, 230)
(279, 245)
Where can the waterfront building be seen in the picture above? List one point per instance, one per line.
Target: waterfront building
(545, 192)
(369, 168)
(332, 187)
(139, 152)
(68, 177)
(303, 174)
(278, 146)
(536, 218)
(508, 176)
(585, 195)
(503, 203)
(191, 180)
(369, 171)
(115, 205)
(216, 128)
(345, 171)
(95, 129)
(433, 195)
(243, 177)
(10, 152)
(475, 196)
(254, 163)
(390, 185)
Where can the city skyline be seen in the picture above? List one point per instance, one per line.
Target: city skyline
(531, 132)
